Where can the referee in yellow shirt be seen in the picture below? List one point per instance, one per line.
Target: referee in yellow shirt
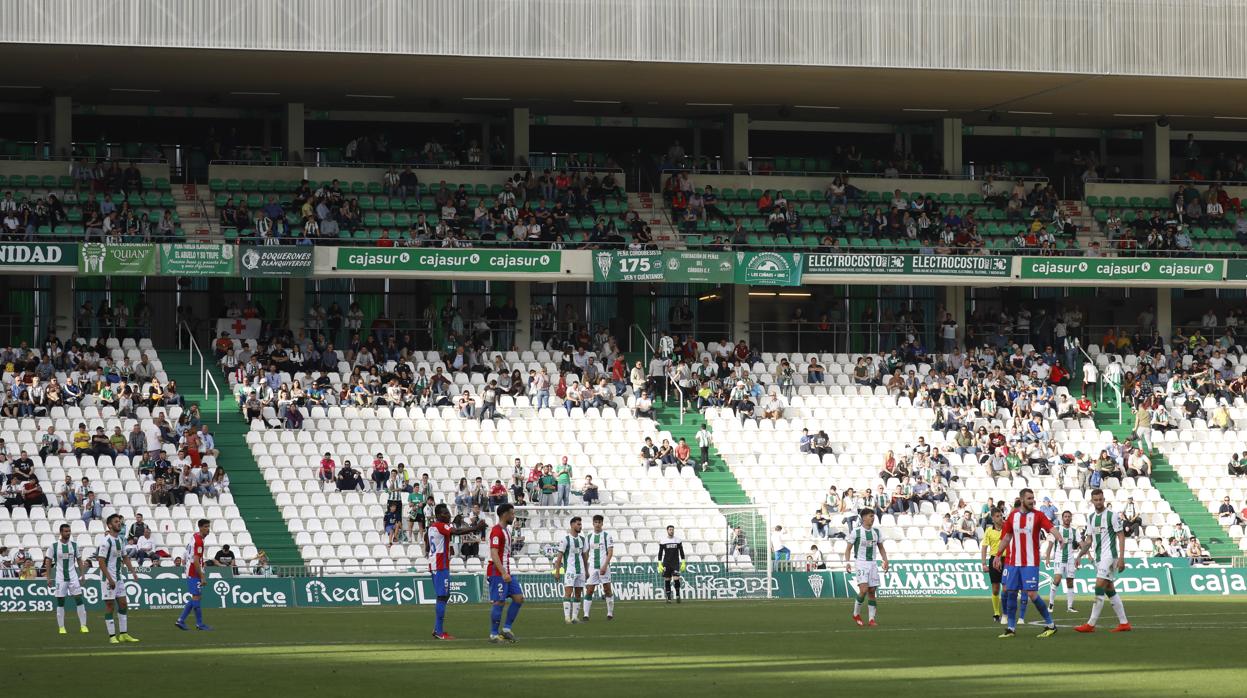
(988, 554)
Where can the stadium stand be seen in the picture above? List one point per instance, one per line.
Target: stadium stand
(863, 424)
(340, 526)
(95, 429)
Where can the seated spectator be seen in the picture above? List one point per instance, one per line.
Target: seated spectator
(225, 558)
(643, 407)
(590, 491)
(649, 453)
(497, 495)
(821, 445)
(349, 478)
(683, 455)
(1226, 514)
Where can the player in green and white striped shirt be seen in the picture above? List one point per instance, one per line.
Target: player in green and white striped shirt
(862, 552)
(110, 553)
(571, 563)
(63, 568)
(1063, 566)
(601, 551)
(1106, 543)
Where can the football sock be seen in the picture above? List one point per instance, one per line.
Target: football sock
(121, 621)
(667, 586)
(1069, 597)
(60, 613)
(1011, 608)
(1097, 606)
(1043, 610)
(108, 624)
(678, 584)
(199, 612)
(1023, 601)
(1051, 595)
(512, 612)
(588, 605)
(871, 608)
(996, 605)
(567, 610)
(186, 611)
(495, 617)
(1118, 608)
(610, 605)
(857, 604)
(441, 617)
(82, 613)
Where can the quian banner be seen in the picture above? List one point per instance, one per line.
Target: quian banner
(99, 259)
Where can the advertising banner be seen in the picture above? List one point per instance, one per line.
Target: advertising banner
(930, 578)
(768, 268)
(831, 263)
(99, 259)
(449, 260)
(702, 580)
(39, 254)
(673, 266)
(381, 591)
(276, 260)
(197, 259)
(1220, 581)
(1236, 270)
(1122, 269)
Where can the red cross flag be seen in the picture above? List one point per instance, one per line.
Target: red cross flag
(238, 328)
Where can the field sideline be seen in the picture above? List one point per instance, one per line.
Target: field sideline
(704, 648)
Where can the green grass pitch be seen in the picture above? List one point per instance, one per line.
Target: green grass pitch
(929, 647)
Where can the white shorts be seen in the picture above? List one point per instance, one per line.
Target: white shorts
(574, 580)
(1066, 570)
(866, 573)
(1106, 569)
(108, 593)
(71, 588)
(596, 578)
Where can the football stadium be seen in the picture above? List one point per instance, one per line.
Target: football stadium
(704, 347)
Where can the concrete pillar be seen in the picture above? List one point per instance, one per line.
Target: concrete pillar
(523, 314)
(951, 146)
(63, 308)
(487, 140)
(736, 142)
(296, 303)
(292, 128)
(1156, 163)
(955, 304)
(62, 125)
(1164, 314)
(519, 135)
(740, 313)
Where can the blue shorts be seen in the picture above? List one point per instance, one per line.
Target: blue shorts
(501, 591)
(192, 585)
(1021, 578)
(441, 582)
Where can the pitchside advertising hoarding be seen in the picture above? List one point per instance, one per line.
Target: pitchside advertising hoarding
(639, 582)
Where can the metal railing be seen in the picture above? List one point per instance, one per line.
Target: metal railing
(647, 347)
(205, 375)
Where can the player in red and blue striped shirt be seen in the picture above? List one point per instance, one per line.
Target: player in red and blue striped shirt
(441, 548)
(1019, 541)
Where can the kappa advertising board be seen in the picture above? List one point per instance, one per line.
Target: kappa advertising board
(1122, 269)
(446, 260)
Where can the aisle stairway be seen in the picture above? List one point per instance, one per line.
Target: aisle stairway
(716, 477)
(1172, 487)
(251, 494)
